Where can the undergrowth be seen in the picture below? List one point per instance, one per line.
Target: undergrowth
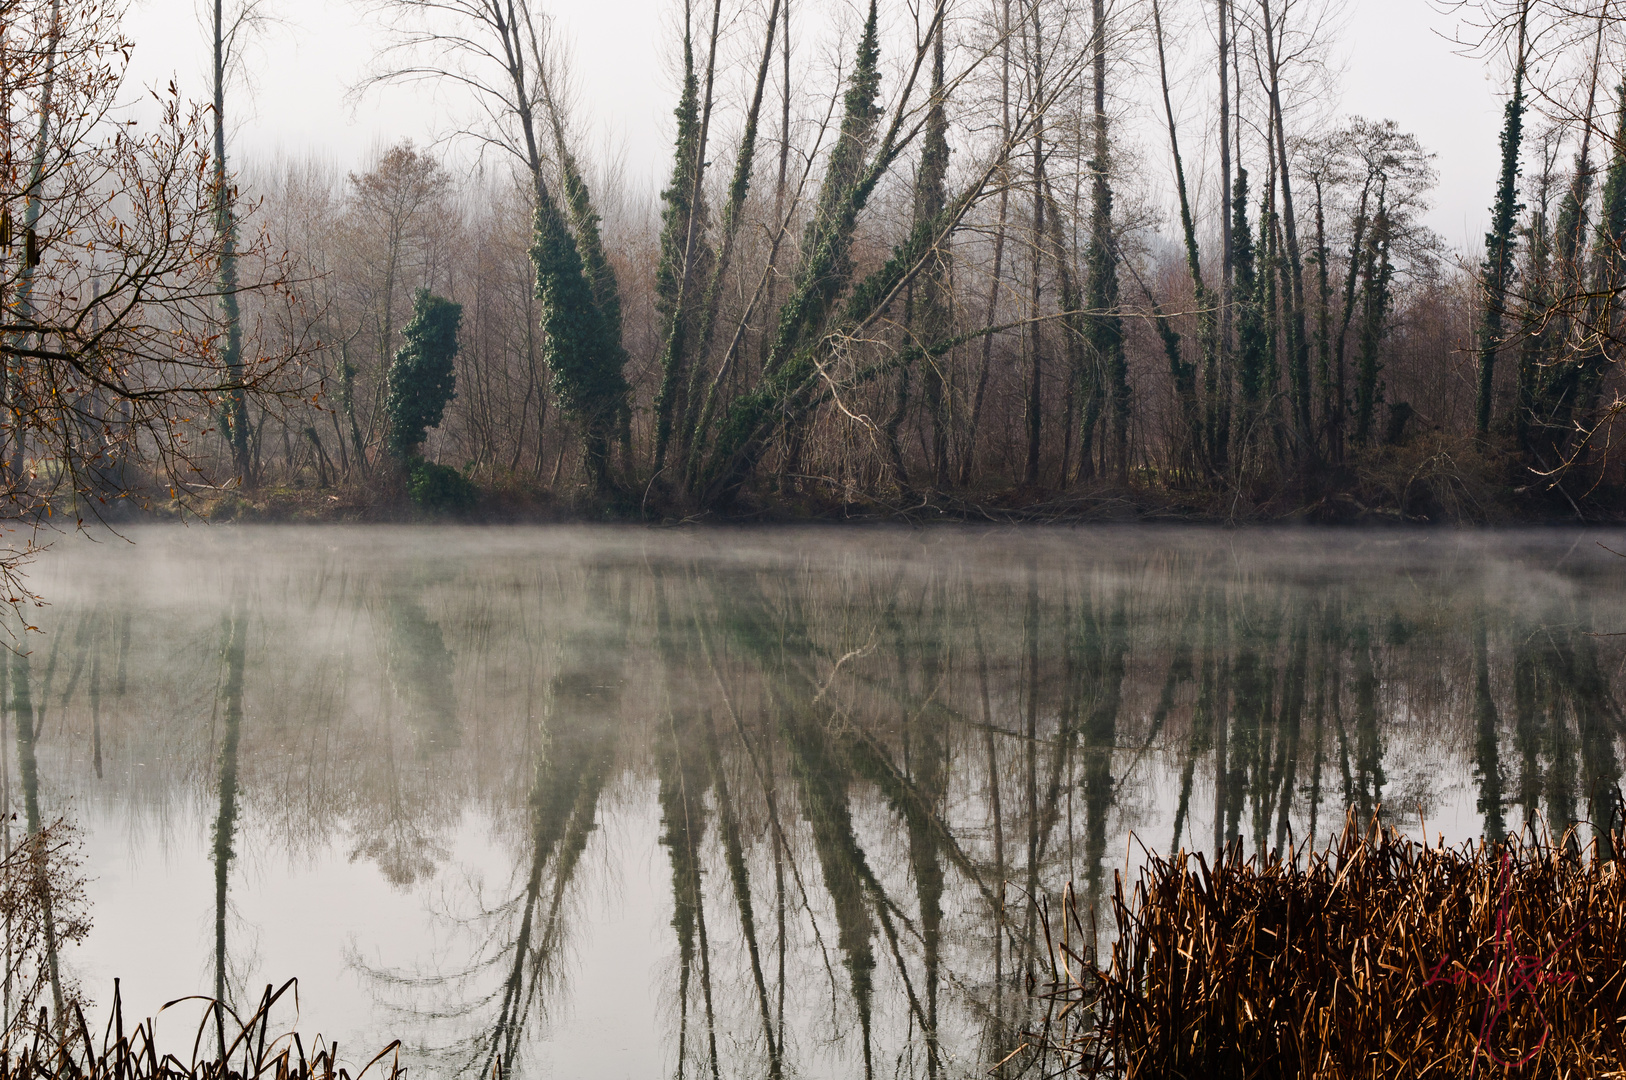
(226, 1047)
(1377, 957)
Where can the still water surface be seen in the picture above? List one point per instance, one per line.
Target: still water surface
(624, 803)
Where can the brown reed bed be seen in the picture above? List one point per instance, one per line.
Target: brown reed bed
(226, 1047)
(1377, 957)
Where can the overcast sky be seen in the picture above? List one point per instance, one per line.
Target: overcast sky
(1396, 59)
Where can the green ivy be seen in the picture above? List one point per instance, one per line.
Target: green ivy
(422, 377)
(440, 489)
(683, 255)
(582, 354)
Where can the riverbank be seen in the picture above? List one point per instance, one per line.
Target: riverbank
(1439, 483)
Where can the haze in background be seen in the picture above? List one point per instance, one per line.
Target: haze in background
(1397, 57)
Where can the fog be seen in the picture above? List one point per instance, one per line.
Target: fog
(589, 799)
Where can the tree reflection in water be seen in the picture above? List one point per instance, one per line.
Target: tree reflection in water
(863, 765)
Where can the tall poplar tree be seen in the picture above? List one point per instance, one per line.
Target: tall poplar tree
(683, 224)
(1106, 333)
(1251, 340)
(930, 305)
(1499, 242)
(231, 352)
(825, 269)
(1376, 275)
(1199, 427)
(1608, 277)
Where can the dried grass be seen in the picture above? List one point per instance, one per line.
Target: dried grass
(238, 1049)
(1377, 957)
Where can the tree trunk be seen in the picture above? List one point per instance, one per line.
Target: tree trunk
(1106, 324)
(969, 454)
(1227, 259)
(231, 355)
(1499, 241)
(1035, 395)
(1298, 350)
(1199, 429)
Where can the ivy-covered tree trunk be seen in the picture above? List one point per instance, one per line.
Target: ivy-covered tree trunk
(1499, 241)
(1540, 332)
(687, 412)
(1272, 274)
(235, 408)
(1376, 275)
(423, 376)
(1608, 279)
(1357, 244)
(1083, 376)
(601, 281)
(1331, 410)
(1549, 380)
(683, 227)
(928, 301)
(1293, 325)
(1105, 327)
(586, 361)
(1199, 427)
(1251, 343)
(930, 305)
(788, 367)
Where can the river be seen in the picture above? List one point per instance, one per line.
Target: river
(610, 802)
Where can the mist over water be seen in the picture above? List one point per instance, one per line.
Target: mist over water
(614, 802)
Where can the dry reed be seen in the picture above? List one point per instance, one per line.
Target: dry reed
(238, 1049)
(1377, 957)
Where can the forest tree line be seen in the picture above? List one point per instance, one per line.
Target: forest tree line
(1038, 255)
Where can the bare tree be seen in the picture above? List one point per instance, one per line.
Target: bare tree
(113, 358)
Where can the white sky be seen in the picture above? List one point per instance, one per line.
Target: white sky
(1397, 63)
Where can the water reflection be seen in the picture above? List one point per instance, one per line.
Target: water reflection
(846, 771)
(28, 727)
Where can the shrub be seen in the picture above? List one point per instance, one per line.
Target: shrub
(423, 377)
(440, 489)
